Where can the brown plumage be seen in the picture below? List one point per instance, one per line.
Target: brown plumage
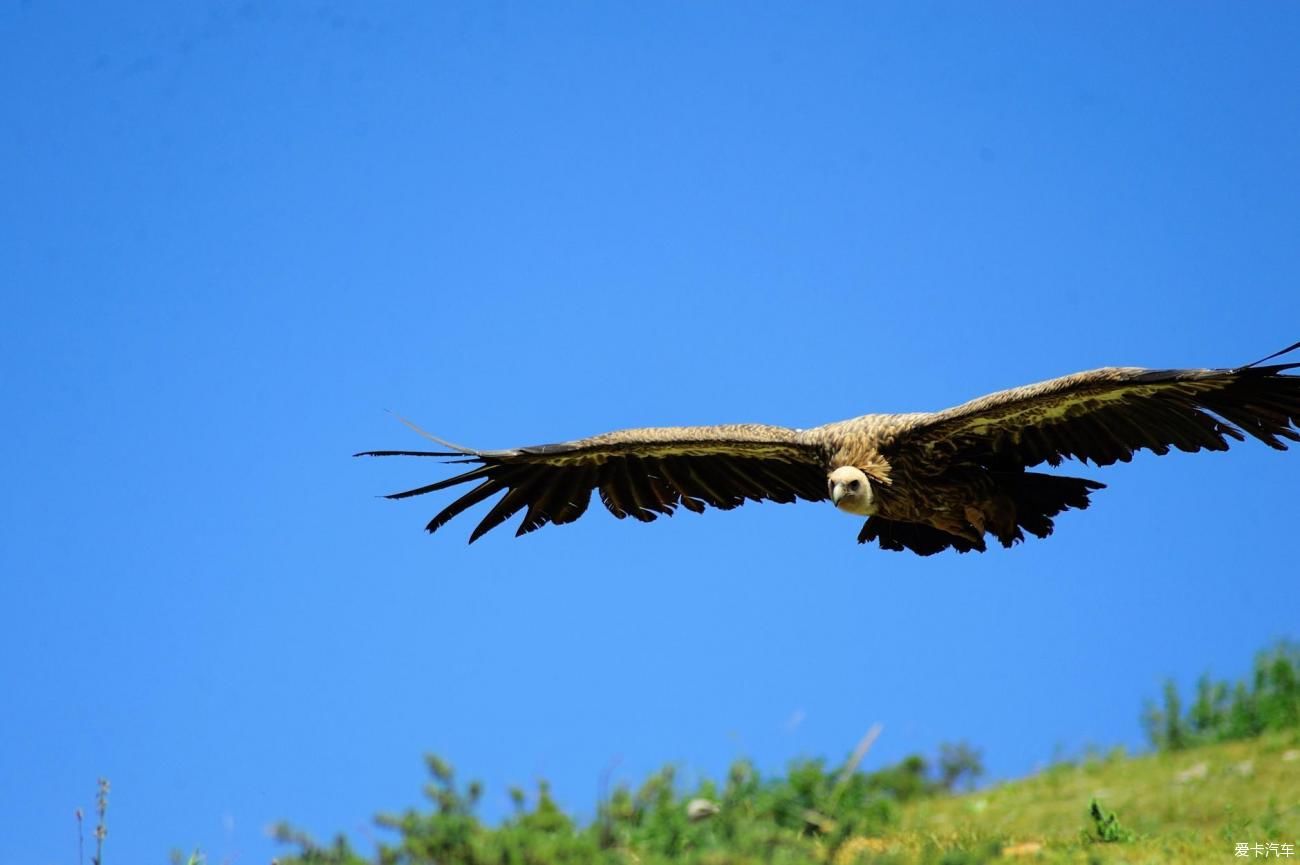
(925, 481)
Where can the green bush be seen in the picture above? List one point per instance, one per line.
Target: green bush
(803, 816)
(1104, 827)
(1268, 700)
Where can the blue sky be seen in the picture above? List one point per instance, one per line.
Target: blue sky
(235, 234)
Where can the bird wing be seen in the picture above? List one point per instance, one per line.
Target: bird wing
(639, 473)
(1105, 415)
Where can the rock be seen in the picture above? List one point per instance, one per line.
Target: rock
(700, 809)
(1025, 848)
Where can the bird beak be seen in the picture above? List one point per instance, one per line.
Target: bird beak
(837, 493)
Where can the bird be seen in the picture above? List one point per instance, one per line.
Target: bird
(926, 482)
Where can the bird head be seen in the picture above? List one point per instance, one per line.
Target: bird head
(850, 490)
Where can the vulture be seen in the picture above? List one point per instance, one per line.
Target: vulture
(925, 481)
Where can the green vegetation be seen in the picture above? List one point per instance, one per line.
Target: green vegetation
(1189, 806)
(1105, 826)
(1269, 700)
(747, 819)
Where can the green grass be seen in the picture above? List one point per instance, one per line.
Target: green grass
(1186, 806)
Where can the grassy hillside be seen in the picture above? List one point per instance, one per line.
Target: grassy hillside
(1187, 806)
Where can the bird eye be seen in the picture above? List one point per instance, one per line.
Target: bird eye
(854, 485)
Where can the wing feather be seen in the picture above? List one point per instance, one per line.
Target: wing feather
(1106, 415)
(686, 494)
(485, 490)
(704, 478)
(780, 489)
(622, 488)
(610, 495)
(639, 473)
(665, 498)
(577, 486)
(649, 489)
(508, 505)
(735, 477)
(541, 507)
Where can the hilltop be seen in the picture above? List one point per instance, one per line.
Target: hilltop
(1187, 806)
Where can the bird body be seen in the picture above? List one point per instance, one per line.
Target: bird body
(925, 481)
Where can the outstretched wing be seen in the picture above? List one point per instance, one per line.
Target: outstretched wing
(1105, 415)
(640, 473)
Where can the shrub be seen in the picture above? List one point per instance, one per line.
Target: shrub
(1268, 700)
(808, 813)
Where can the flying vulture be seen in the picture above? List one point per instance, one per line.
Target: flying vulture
(925, 481)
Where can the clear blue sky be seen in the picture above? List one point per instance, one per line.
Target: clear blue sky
(231, 236)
